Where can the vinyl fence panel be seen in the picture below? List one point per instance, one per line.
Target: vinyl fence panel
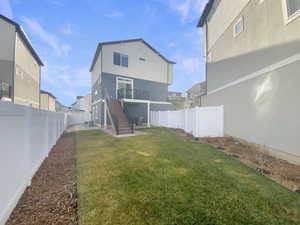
(78, 117)
(26, 138)
(200, 122)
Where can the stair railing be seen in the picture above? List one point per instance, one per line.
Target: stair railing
(114, 120)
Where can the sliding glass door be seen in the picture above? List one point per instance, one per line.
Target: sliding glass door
(124, 88)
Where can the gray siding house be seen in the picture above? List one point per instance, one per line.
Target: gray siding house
(133, 73)
(20, 66)
(252, 53)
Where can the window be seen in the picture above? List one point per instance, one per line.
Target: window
(238, 27)
(120, 59)
(291, 9)
(5, 90)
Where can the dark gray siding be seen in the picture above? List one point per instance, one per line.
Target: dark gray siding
(157, 91)
(96, 91)
(137, 112)
(7, 71)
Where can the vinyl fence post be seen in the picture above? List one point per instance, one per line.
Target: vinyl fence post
(222, 120)
(27, 141)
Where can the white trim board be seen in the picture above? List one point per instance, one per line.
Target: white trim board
(125, 80)
(259, 73)
(287, 18)
(145, 101)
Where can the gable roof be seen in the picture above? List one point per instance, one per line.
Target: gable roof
(99, 47)
(205, 13)
(24, 38)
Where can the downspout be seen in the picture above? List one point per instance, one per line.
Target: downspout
(206, 52)
(14, 69)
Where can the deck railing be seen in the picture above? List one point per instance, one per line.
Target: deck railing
(133, 94)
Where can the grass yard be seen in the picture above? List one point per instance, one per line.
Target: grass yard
(162, 179)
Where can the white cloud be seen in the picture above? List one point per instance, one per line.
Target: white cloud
(191, 65)
(65, 49)
(115, 14)
(56, 3)
(5, 8)
(172, 44)
(67, 76)
(188, 10)
(50, 39)
(68, 29)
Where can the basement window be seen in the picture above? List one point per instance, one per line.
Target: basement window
(238, 27)
(291, 10)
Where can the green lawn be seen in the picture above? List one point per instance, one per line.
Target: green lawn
(160, 178)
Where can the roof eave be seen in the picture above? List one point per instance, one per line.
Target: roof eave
(205, 13)
(99, 47)
(24, 38)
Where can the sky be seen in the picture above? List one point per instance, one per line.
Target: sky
(65, 33)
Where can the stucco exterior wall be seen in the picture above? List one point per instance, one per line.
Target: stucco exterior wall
(47, 102)
(44, 104)
(223, 13)
(7, 43)
(51, 104)
(264, 110)
(266, 40)
(154, 68)
(27, 77)
(256, 77)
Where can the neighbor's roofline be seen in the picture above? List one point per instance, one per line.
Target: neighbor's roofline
(24, 38)
(99, 47)
(205, 13)
(48, 93)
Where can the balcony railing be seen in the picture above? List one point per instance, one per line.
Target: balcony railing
(133, 94)
(5, 90)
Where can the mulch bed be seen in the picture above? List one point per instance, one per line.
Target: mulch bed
(256, 157)
(51, 198)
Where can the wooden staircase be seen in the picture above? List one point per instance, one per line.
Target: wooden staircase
(118, 118)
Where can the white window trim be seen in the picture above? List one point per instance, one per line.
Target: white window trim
(241, 19)
(117, 86)
(289, 19)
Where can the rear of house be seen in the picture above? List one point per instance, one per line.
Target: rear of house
(20, 66)
(252, 53)
(132, 73)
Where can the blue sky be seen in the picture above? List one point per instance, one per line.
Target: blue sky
(65, 33)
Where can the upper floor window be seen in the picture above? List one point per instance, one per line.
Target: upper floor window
(120, 59)
(291, 9)
(238, 27)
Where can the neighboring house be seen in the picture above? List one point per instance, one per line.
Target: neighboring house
(177, 99)
(133, 73)
(194, 95)
(20, 66)
(60, 107)
(172, 95)
(252, 52)
(47, 101)
(83, 103)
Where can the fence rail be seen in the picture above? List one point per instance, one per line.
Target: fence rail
(27, 136)
(200, 122)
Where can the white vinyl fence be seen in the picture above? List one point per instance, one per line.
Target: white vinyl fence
(78, 117)
(27, 136)
(199, 121)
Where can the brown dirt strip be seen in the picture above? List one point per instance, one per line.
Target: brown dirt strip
(51, 198)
